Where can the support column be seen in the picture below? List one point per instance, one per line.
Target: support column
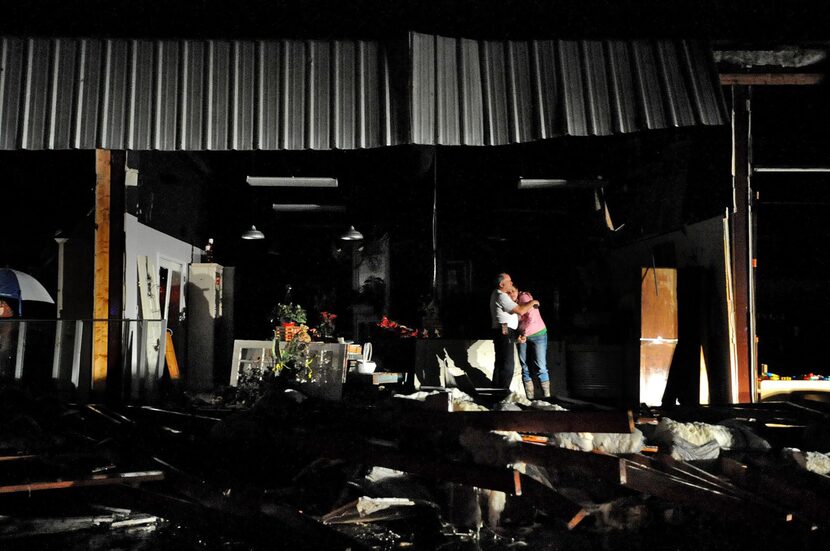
(741, 221)
(117, 245)
(101, 281)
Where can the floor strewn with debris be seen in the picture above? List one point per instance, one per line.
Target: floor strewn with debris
(433, 470)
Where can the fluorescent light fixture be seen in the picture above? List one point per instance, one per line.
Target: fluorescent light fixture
(291, 181)
(307, 207)
(541, 183)
(253, 233)
(794, 169)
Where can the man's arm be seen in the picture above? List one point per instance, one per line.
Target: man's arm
(523, 309)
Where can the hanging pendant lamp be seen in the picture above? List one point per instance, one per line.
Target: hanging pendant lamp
(352, 235)
(253, 233)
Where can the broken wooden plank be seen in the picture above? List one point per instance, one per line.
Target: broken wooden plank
(249, 519)
(536, 421)
(684, 471)
(421, 464)
(675, 490)
(93, 480)
(779, 486)
(17, 529)
(771, 79)
(18, 457)
(387, 509)
(552, 502)
(602, 466)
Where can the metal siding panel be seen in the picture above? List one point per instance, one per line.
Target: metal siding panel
(270, 92)
(677, 95)
(294, 73)
(599, 103)
(422, 48)
(140, 119)
(705, 89)
(547, 98)
(87, 101)
(522, 128)
(35, 94)
(11, 77)
(447, 97)
(114, 104)
(319, 96)
(244, 73)
(344, 95)
(192, 96)
(495, 94)
(648, 86)
(62, 93)
(218, 92)
(167, 95)
(472, 105)
(369, 95)
(573, 93)
(622, 87)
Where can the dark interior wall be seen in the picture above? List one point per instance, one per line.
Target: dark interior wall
(173, 194)
(552, 241)
(45, 193)
(789, 129)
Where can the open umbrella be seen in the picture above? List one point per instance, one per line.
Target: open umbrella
(20, 286)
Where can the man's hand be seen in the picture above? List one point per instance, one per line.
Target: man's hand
(522, 339)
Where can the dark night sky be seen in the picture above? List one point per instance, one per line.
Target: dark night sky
(757, 20)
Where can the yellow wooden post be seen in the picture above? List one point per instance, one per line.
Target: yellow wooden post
(101, 284)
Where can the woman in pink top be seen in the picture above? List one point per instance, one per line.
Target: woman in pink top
(533, 348)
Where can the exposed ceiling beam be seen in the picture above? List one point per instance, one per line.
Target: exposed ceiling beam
(771, 79)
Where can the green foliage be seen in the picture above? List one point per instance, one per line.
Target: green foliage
(291, 313)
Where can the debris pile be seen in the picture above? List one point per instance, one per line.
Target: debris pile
(435, 470)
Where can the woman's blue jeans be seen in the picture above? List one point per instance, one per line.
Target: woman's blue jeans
(533, 357)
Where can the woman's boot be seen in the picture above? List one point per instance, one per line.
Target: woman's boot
(546, 389)
(529, 389)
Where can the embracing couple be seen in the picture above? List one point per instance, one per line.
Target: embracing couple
(516, 321)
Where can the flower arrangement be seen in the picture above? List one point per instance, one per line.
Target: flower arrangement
(326, 327)
(293, 358)
(290, 313)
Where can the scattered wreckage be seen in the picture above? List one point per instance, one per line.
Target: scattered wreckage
(431, 470)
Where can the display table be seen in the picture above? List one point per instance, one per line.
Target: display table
(424, 359)
(769, 389)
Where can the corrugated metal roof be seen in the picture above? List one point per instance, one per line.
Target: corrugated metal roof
(467, 92)
(194, 94)
(309, 94)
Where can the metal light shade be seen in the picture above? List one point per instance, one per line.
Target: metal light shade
(253, 233)
(352, 235)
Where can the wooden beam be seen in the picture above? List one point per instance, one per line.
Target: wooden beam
(552, 502)
(437, 468)
(545, 422)
(117, 248)
(101, 282)
(771, 79)
(741, 220)
(594, 465)
(94, 480)
(262, 524)
(782, 486)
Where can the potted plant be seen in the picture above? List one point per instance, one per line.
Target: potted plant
(289, 316)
